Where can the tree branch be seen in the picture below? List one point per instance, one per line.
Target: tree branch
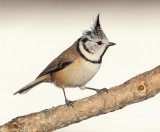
(137, 89)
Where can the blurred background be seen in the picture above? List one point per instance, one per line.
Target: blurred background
(33, 33)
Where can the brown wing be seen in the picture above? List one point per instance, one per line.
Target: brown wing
(62, 61)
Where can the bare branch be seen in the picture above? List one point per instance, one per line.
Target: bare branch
(137, 89)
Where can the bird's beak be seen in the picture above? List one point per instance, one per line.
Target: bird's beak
(111, 43)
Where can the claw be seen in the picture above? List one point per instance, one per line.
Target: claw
(69, 103)
(98, 90)
(102, 90)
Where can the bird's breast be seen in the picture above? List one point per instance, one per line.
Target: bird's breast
(76, 74)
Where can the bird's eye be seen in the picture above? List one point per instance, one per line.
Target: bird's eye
(99, 42)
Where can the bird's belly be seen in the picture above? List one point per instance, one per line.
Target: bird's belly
(76, 74)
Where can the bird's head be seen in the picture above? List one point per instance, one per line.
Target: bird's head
(94, 43)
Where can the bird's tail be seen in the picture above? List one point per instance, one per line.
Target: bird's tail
(45, 78)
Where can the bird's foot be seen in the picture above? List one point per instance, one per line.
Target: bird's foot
(101, 90)
(69, 103)
(98, 90)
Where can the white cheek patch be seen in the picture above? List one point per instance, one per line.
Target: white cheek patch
(91, 47)
(90, 56)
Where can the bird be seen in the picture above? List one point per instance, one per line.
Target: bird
(78, 64)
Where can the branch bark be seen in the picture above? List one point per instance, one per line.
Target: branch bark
(137, 89)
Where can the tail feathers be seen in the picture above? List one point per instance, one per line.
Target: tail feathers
(25, 89)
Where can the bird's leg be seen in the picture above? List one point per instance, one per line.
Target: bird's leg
(68, 102)
(98, 90)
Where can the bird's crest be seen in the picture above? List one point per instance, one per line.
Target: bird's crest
(96, 31)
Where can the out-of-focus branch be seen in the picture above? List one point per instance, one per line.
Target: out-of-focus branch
(137, 89)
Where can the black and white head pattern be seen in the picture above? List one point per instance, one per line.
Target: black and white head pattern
(93, 43)
(96, 33)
